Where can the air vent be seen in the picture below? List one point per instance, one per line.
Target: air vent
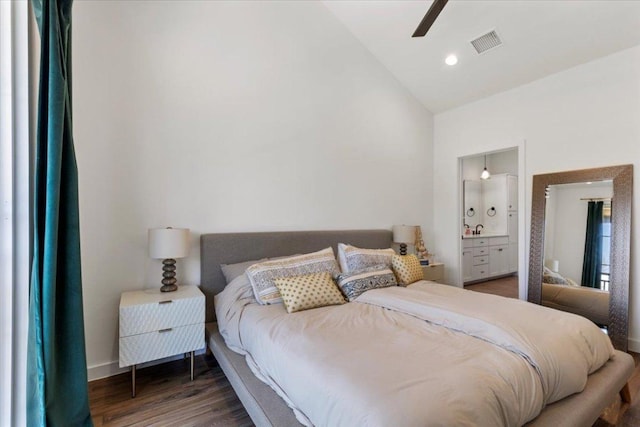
(486, 42)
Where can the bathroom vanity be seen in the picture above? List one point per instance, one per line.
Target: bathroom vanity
(488, 256)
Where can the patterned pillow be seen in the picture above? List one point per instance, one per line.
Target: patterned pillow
(354, 259)
(309, 291)
(263, 274)
(407, 269)
(358, 282)
(549, 276)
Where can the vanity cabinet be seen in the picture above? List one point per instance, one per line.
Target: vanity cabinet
(467, 264)
(485, 257)
(498, 260)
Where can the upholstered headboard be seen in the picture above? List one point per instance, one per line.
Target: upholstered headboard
(230, 248)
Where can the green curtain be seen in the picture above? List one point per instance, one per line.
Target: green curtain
(56, 365)
(592, 260)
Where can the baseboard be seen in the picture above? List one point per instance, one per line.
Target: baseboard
(110, 369)
(633, 345)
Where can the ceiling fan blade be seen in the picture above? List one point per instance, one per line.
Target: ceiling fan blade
(429, 18)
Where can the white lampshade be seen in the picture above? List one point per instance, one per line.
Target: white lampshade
(168, 243)
(404, 234)
(555, 265)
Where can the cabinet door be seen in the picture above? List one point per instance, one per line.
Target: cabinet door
(467, 265)
(512, 227)
(513, 257)
(512, 192)
(498, 260)
(495, 196)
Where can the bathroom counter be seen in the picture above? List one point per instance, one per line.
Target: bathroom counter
(476, 236)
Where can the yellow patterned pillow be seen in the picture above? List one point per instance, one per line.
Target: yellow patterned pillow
(407, 269)
(308, 291)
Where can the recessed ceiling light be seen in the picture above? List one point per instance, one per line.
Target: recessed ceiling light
(451, 60)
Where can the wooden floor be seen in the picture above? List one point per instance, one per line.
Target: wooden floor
(166, 397)
(506, 287)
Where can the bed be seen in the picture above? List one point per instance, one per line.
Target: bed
(588, 302)
(266, 408)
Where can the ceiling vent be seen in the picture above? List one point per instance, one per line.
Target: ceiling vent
(486, 42)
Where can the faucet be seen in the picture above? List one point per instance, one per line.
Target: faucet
(478, 231)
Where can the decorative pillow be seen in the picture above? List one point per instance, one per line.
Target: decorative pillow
(263, 274)
(358, 282)
(354, 259)
(553, 278)
(308, 291)
(231, 271)
(407, 269)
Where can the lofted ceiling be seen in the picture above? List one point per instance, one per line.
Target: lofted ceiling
(540, 37)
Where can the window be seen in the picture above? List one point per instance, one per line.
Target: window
(605, 274)
(14, 208)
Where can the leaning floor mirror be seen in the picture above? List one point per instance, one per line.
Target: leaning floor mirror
(580, 242)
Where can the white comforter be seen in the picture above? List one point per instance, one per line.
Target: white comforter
(426, 355)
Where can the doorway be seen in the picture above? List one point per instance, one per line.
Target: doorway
(491, 212)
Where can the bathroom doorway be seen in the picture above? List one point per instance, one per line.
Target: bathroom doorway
(491, 212)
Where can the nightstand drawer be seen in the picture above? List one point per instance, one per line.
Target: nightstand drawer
(160, 310)
(163, 343)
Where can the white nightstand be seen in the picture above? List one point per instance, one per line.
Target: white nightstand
(433, 271)
(155, 324)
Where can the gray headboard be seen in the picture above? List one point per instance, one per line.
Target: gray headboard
(230, 248)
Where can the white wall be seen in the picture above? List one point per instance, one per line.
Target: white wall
(566, 222)
(230, 116)
(580, 118)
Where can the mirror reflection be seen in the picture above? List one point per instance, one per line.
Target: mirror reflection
(577, 247)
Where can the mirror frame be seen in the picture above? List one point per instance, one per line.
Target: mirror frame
(622, 177)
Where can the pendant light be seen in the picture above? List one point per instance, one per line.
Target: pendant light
(485, 173)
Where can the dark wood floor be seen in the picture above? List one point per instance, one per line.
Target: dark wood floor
(166, 397)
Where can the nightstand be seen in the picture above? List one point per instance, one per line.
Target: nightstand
(155, 324)
(433, 271)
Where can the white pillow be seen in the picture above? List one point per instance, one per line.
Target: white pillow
(353, 259)
(263, 274)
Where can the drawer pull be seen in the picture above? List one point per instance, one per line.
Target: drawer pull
(165, 330)
(500, 250)
(169, 301)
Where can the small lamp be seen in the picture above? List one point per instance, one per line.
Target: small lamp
(485, 173)
(168, 244)
(403, 235)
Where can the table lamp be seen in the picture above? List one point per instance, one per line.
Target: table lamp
(168, 244)
(404, 235)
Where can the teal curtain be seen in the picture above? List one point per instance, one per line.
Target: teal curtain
(56, 364)
(592, 260)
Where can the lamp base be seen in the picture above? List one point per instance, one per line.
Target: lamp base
(169, 288)
(403, 248)
(169, 275)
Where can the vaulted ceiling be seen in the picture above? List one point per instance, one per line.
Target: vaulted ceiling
(540, 37)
